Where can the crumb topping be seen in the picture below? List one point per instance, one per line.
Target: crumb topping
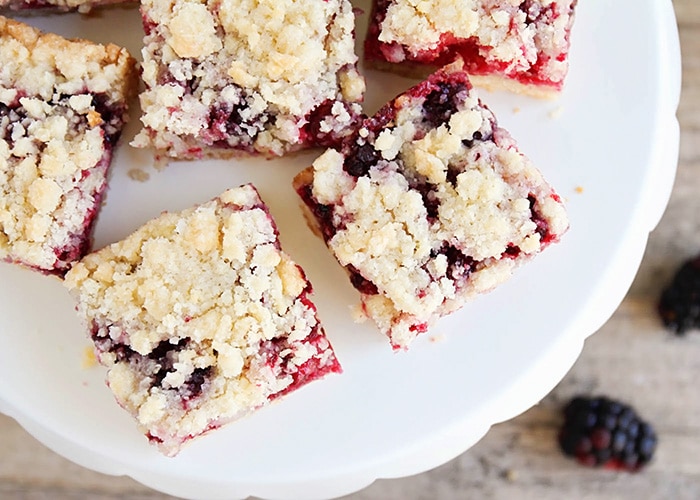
(260, 67)
(43, 64)
(207, 291)
(388, 234)
(56, 126)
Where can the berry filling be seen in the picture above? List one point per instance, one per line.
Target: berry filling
(228, 129)
(317, 132)
(156, 365)
(322, 213)
(360, 159)
(279, 352)
(360, 283)
(440, 103)
(459, 266)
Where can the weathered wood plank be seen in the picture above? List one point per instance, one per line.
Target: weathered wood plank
(687, 12)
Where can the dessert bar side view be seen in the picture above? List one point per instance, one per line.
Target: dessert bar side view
(429, 204)
(520, 45)
(201, 318)
(63, 104)
(262, 78)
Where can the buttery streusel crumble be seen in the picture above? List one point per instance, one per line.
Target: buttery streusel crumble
(63, 104)
(429, 204)
(201, 318)
(258, 77)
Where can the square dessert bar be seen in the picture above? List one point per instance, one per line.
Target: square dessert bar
(518, 45)
(201, 318)
(235, 76)
(63, 104)
(429, 204)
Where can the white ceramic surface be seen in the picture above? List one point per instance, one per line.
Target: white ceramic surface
(609, 145)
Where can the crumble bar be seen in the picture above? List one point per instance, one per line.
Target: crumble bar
(239, 76)
(63, 104)
(429, 204)
(518, 45)
(201, 318)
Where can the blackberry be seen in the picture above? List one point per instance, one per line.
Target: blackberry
(679, 306)
(361, 160)
(442, 102)
(601, 432)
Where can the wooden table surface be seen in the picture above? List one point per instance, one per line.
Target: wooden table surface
(632, 358)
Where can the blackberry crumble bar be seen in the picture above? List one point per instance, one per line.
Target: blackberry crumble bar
(236, 76)
(518, 45)
(63, 104)
(429, 204)
(201, 318)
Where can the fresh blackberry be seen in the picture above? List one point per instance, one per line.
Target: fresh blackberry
(679, 306)
(601, 432)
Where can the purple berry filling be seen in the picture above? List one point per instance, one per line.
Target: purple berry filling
(442, 102)
(360, 283)
(157, 364)
(359, 161)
